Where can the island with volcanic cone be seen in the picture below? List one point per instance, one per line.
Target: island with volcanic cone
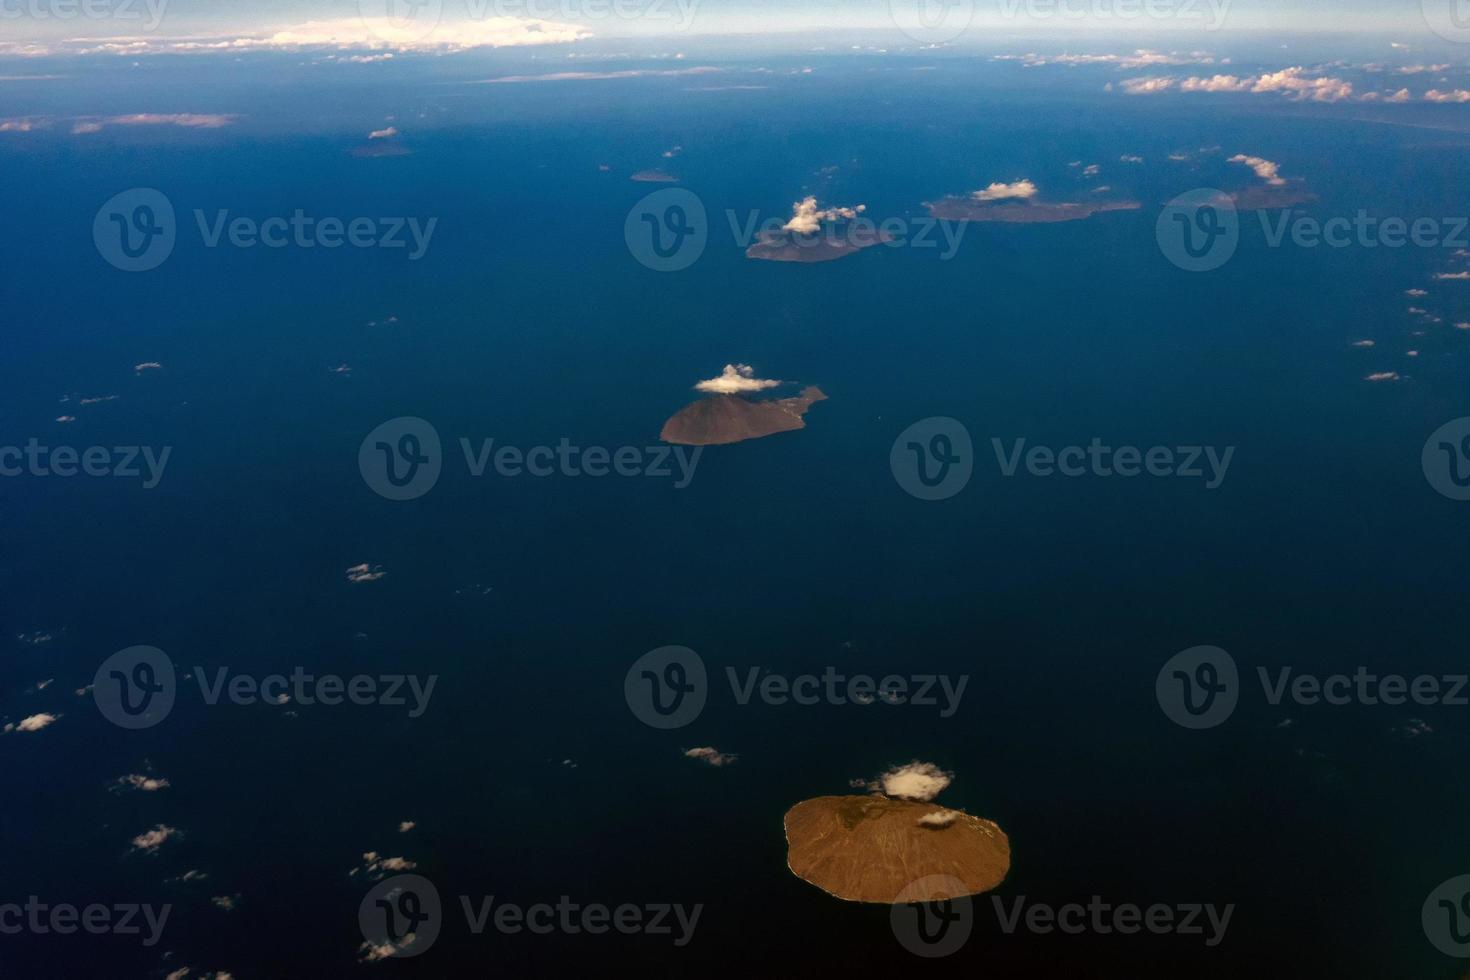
(880, 847)
(728, 415)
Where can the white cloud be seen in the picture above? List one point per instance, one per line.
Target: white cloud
(914, 781)
(383, 134)
(1293, 82)
(712, 755)
(151, 840)
(343, 34)
(34, 723)
(187, 120)
(939, 818)
(365, 573)
(807, 217)
(1147, 86)
(1265, 169)
(1020, 189)
(734, 379)
(1453, 275)
(147, 784)
(376, 866)
(405, 826)
(1458, 95)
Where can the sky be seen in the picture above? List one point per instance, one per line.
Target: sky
(34, 26)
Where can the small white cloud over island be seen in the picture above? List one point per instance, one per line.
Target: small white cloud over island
(734, 380)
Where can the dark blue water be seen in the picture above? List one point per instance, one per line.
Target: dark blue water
(528, 321)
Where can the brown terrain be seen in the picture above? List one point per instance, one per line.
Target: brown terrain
(1033, 212)
(826, 246)
(872, 848)
(721, 419)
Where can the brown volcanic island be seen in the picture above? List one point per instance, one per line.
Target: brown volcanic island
(872, 848)
(824, 247)
(721, 419)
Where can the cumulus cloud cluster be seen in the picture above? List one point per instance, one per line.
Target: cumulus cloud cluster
(150, 841)
(711, 755)
(914, 781)
(1294, 82)
(345, 33)
(1267, 170)
(376, 866)
(807, 216)
(33, 723)
(736, 379)
(1016, 190)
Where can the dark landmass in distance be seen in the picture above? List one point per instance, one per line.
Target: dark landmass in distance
(1022, 213)
(654, 176)
(825, 246)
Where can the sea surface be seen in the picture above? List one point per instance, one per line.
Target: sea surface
(529, 320)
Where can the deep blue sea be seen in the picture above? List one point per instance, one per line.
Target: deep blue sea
(529, 321)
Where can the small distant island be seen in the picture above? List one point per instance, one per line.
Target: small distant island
(654, 176)
(828, 245)
(722, 419)
(1022, 212)
(877, 849)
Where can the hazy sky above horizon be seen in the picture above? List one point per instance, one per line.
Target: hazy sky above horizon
(57, 19)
